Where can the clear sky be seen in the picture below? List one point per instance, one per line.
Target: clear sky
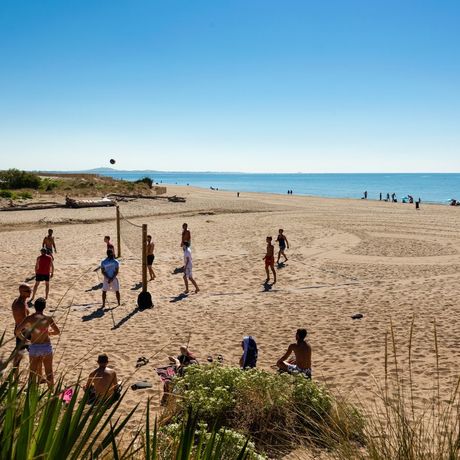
(236, 85)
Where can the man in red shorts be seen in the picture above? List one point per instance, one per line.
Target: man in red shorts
(270, 260)
(44, 270)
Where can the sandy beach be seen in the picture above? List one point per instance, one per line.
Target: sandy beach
(384, 260)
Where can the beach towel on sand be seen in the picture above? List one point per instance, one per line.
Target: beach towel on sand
(166, 373)
(249, 353)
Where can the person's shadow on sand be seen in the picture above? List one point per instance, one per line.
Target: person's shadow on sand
(267, 286)
(94, 288)
(179, 297)
(280, 265)
(99, 313)
(136, 286)
(126, 318)
(178, 270)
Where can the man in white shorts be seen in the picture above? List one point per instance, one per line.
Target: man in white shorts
(109, 268)
(188, 265)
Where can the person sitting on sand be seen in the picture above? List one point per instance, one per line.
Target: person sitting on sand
(109, 268)
(186, 358)
(188, 266)
(102, 383)
(270, 260)
(49, 243)
(20, 312)
(283, 242)
(302, 353)
(150, 256)
(44, 270)
(40, 327)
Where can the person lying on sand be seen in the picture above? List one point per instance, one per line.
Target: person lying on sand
(102, 383)
(302, 353)
(270, 260)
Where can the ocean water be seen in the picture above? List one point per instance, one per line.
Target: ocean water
(436, 188)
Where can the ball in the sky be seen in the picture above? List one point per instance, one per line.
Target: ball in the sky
(112, 161)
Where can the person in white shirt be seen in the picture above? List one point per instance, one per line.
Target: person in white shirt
(188, 265)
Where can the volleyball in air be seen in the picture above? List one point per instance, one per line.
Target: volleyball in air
(112, 161)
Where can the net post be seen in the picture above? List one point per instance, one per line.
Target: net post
(144, 257)
(118, 233)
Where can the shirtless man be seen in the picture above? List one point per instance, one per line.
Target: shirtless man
(44, 270)
(48, 243)
(283, 242)
(40, 327)
(102, 382)
(302, 353)
(110, 246)
(186, 236)
(150, 256)
(20, 312)
(270, 260)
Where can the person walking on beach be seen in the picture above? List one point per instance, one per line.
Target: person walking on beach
(20, 312)
(44, 270)
(150, 256)
(102, 383)
(186, 235)
(270, 260)
(49, 243)
(188, 266)
(40, 327)
(302, 353)
(282, 242)
(388, 197)
(109, 268)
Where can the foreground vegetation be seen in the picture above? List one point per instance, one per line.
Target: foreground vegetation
(218, 412)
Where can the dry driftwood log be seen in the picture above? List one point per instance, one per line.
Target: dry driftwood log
(72, 203)
(174, 198)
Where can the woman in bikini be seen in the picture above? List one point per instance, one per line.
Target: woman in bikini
(40, 327)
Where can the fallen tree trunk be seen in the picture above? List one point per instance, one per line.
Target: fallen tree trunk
(33, 207)
(72, 203)
(174, 198)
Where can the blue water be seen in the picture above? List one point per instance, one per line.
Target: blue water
(437, 188)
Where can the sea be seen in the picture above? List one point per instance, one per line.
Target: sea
(434, 188)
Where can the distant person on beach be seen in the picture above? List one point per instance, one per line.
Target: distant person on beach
(49, 243)
(188, 266)
(20, 312)
(388, 197)
(380, 196)
(102, 383)
(150, 256)
(365, 195)
(302, 352)
(39, 328)
(282, 242)
(44, 270)
(110, 246)
(109, 268)
(186, 235)
(393, 198)
(270, 260)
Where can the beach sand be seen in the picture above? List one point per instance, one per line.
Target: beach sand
(386, 261)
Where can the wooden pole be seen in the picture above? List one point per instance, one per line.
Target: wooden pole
(144, 257)
(118, 233)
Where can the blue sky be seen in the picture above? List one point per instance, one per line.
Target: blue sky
(244, 85)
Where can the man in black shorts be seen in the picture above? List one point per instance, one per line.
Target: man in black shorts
(150, 256)
(20, 312)
(44, 269)
(283, 242)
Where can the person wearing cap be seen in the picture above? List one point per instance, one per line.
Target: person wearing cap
(109, 268)
(44, 270)
(102, 382)
(302, 352)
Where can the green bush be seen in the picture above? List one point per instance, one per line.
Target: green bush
(15, 179)
(145, 180)
(6, 194)
(273, 409)
(25, 195)
(48, 185)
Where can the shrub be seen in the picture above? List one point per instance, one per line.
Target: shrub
(15, 179)
(273, 409)
(25, 195)
(6, 194)
(145, 180)
(48, 185)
